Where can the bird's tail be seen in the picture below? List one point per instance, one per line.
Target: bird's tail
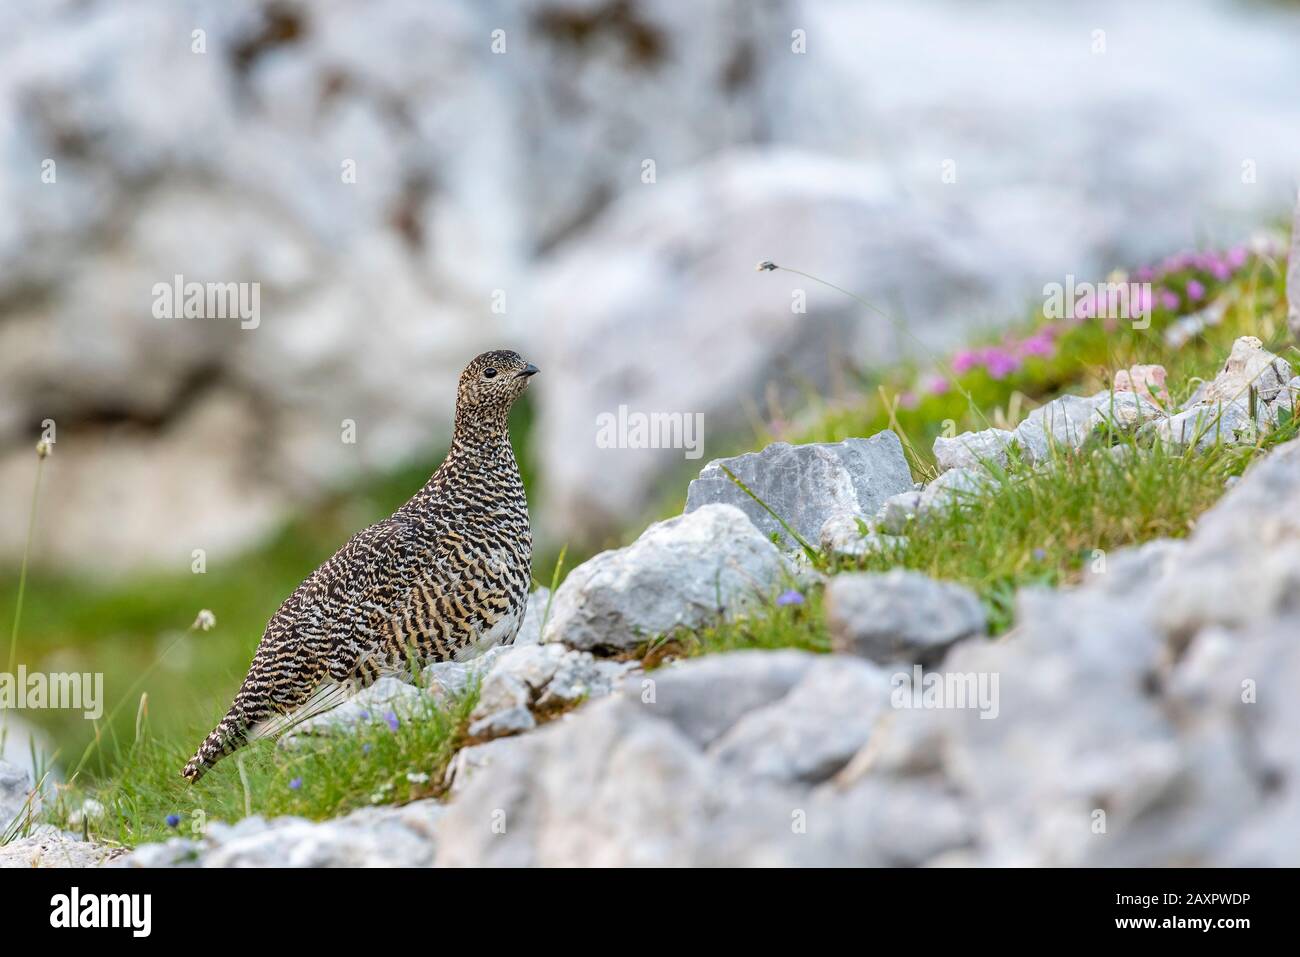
(230, 734)
(263, 709)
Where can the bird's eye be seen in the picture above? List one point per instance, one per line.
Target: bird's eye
(489, 373)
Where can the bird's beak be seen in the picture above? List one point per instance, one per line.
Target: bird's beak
(528, 370)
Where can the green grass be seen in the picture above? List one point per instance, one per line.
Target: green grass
(1044, 527)
(1084, 362)
(1029, 527)
(798, 624)
(1040, 527)
(375, 765)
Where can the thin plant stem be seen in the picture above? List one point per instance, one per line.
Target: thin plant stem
(22, 573)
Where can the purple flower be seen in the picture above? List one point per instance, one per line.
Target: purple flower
(173, 820)
(1039, 344)
(295, 784)
(964, 361)
(790, 597)
(365, 715)
(1237, 257)
(1142, 303)
(365, 748)
(1040, 554)
(999, 362)
(1220, 270)
(937, 385)
(393, 723)
(1169, 300)
(1195, 291)
(908, 400)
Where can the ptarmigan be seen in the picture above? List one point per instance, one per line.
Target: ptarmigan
(445, 575)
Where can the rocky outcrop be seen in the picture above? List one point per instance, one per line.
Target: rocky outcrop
(682, 573)
(530, 683)
(720, 761)
(1128, 721)
(1247, 397)
(400, 836)
(370, 190)
(1066, 423)
(1144, 717)
(806, 485)
(899, 616)
(988, 450)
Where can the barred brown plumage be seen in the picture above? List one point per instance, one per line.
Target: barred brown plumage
(445, 574)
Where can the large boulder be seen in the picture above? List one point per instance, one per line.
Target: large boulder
(370, 189)
(630, 782)
(806, 484)
(900, 616)
(682, 573)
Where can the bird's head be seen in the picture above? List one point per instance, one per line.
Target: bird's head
(491, 383)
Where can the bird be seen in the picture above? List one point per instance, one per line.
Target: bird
(442, 578)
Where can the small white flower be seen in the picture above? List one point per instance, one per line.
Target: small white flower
(417, 777)
(205, 621)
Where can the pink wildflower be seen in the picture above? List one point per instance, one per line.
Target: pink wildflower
(964, 361)
(999, 362)
(1039, 344)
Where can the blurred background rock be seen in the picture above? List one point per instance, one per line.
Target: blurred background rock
(501, 199)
